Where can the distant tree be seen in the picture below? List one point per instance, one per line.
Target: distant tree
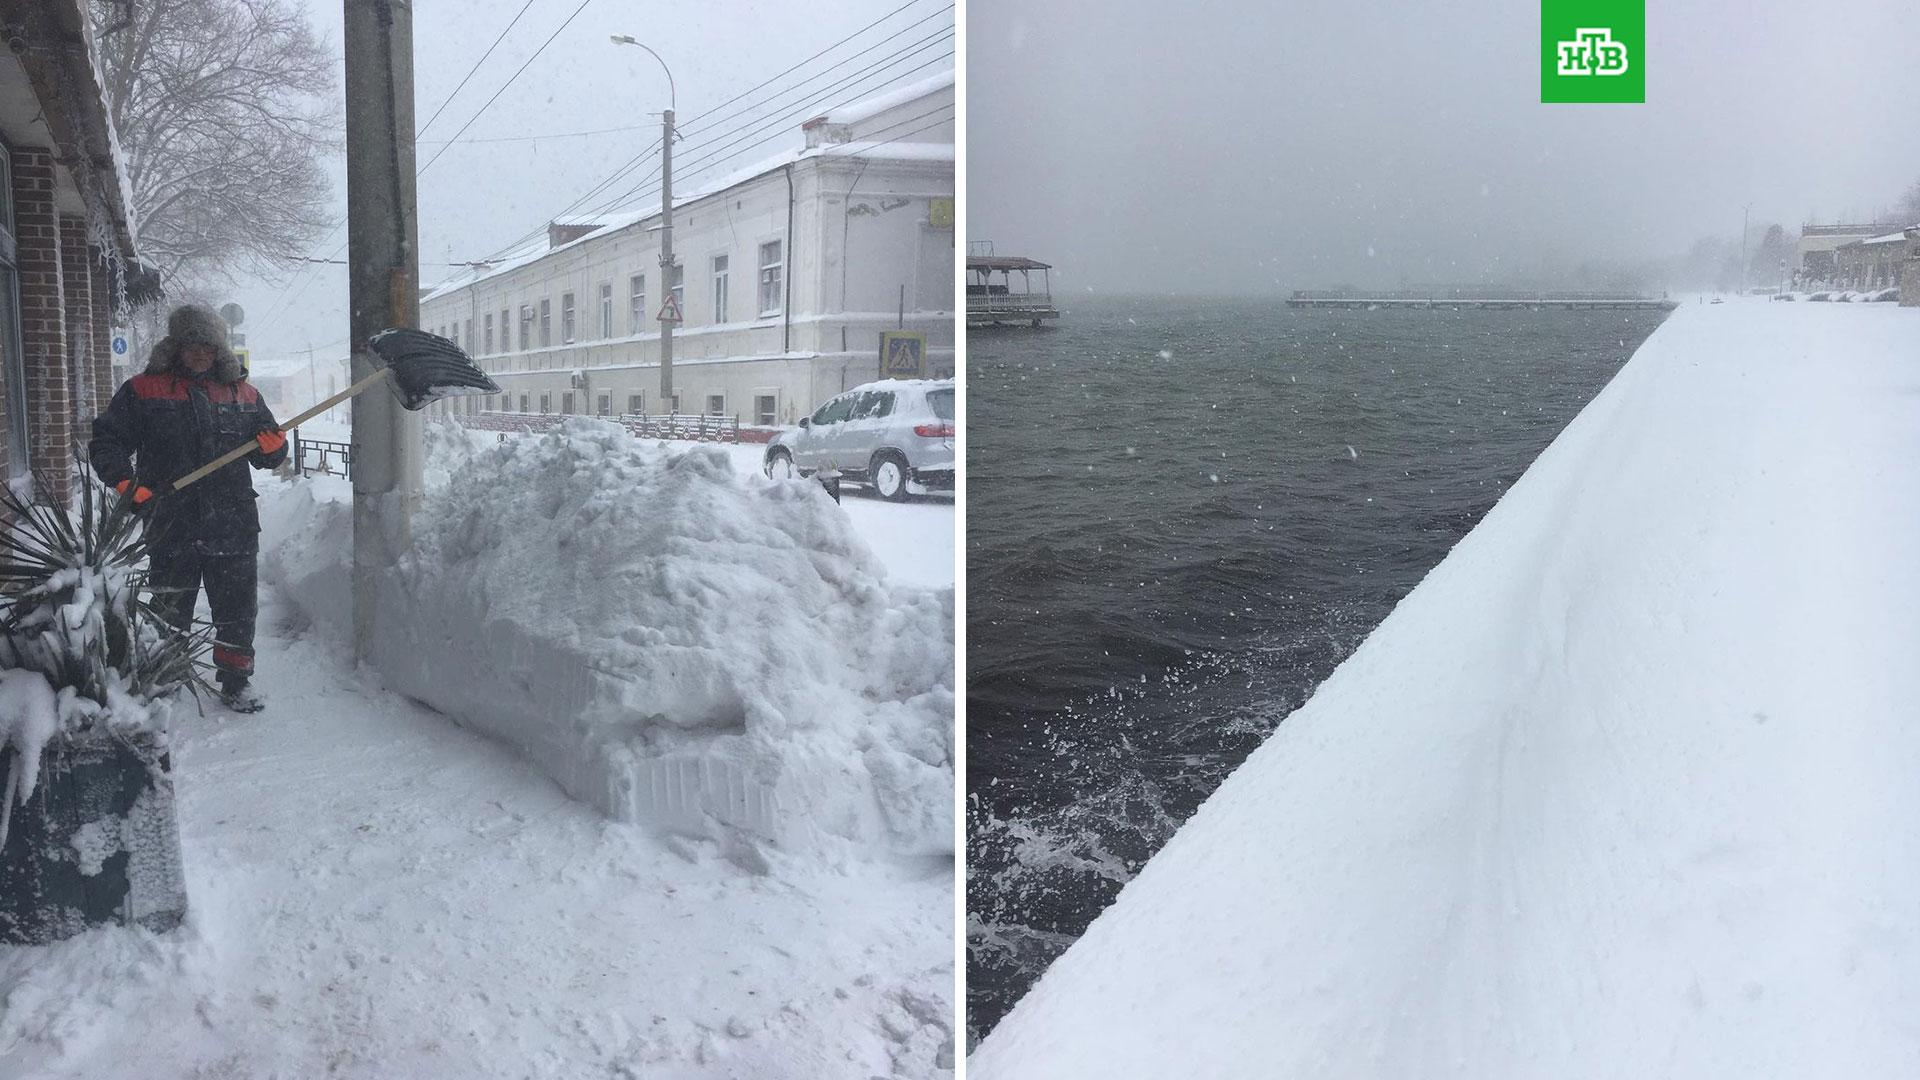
(223, 108)
(1775, 249)
(1907, 210)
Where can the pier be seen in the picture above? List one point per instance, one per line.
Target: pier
(1491, 299)
(994, 298)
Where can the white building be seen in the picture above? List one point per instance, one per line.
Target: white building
(787, 273)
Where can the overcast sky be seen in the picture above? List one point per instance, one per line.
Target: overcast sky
(482, 195)
(1261, 146)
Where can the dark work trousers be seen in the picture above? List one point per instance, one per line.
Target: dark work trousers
(176, 576)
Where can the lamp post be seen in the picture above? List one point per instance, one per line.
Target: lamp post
(666, 226)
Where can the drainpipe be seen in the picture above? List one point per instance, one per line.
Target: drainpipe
(786, 302)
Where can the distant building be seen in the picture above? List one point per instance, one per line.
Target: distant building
(788, 272)
(1819, 242)
(1875, 262)
(67, 260)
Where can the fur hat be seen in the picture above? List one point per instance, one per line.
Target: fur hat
(192, 324)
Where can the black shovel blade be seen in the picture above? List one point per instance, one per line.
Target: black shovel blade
(427, 367)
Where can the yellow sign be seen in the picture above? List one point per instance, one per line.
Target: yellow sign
(940, 213)
(246, 360)
(903, 355)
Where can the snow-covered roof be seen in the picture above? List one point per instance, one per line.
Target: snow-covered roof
(1888, 238)
(537, 249)
(867, 108)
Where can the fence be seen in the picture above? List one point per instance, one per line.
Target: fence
(312, 456)
(696, 427)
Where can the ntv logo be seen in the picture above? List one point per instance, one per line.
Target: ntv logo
(1592, 52)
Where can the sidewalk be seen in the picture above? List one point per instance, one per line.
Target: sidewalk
(379, 892)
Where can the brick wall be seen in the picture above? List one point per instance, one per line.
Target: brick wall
(76, 286)
(102, 319)
(43, 319)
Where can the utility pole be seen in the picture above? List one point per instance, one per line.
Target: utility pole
(666, 222)
(666, 260)
(383, 272)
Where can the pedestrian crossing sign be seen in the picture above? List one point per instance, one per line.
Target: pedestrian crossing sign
(903, 355)
(670, 311)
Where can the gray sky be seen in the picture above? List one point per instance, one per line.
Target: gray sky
(481, 196)
(1262, 146)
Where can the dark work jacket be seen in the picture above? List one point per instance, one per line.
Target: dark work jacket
(161, 427)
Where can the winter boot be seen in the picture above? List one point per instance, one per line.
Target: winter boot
(238, 697)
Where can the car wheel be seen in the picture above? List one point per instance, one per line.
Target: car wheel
(888, 473)
(780, 465)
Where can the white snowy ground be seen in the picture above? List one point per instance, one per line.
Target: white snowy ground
(378, 892)
(1628, 786)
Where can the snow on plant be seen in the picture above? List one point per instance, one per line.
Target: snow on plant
(72, 611)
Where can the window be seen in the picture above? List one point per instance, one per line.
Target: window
(606, 310)
(504, 344)
(566, 402)
(771, 298)
(546, 324)
(716, 404)
(719, 288)
(486, 329)
(605, 399)
(872, 405)
(636, 303)
(566, 318)
(636, 404)
(765, 410)
(679, 280)
(941, 401)
(523, 403)
(835, 411)
(546, 404)
(526, 328)
(673, 406)
(469, 341)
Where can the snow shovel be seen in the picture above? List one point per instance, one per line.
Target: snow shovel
(425, 368)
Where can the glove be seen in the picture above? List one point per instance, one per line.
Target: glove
(271, 441)
(140, 494)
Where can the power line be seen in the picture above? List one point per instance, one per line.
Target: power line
(632, 163)
(503, 88)
(469, 75)
(776, 120)
(295, 293)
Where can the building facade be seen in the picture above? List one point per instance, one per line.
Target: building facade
(787, 272)
(1819, 244)
(67, 260)
(1875, 262)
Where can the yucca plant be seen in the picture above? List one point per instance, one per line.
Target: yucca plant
(75, 604)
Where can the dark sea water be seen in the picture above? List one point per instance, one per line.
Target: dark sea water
(1182, 515)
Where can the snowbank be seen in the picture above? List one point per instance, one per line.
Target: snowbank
(673, 641)
(1625, 787)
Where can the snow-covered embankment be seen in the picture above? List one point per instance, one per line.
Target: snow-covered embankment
(672, 640)
(1625, 787)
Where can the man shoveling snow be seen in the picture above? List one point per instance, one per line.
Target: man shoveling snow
(192, 404)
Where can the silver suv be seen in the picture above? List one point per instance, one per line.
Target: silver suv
(896, 435)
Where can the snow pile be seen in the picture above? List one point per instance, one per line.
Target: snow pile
(29, 715)
(670, 639)
(1625, 787)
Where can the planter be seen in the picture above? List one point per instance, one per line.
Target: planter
(96, 843)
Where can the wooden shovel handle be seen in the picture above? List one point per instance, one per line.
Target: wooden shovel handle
(250, 446)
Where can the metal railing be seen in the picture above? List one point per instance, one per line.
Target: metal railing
(1008, 303)
(311, 456)
(698, 427)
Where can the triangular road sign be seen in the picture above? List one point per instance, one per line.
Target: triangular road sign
(670, 311)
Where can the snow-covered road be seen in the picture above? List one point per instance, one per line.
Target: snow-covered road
(379, 892)
(1626, 787)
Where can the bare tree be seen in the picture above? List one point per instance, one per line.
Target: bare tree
(223, 108)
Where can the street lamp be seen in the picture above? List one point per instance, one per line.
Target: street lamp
(666, 228)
